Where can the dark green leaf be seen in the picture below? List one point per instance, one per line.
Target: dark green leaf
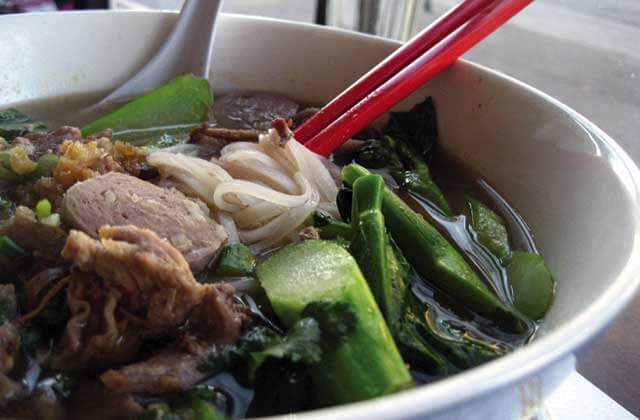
(10, 249)
(300, 345)
(376, 155)
(14, 123)
(184, 100)
(331, 228)
(336, 320)
(235, 260)
(343, 200)
(417, 127)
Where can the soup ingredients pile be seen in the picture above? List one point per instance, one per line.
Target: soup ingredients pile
(183, 259)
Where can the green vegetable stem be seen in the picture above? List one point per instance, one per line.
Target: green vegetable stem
(422, 343)
(406, 167)
(530, 279)
(235, 260)
(366, 364)
(331, 228)
(436, 259)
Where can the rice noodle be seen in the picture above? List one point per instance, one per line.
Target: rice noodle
(252, 189)
(230, 226)
(197, 175)
(262, 193)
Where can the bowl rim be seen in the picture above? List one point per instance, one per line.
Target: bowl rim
(525, 361)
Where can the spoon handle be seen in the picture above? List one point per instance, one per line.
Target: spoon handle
(186, 50)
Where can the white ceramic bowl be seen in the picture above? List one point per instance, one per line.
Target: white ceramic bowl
(574, 186)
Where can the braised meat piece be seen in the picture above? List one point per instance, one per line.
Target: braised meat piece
(172, 369)
(117, 199)
(252, 110)
(138, 285)
(38, 144)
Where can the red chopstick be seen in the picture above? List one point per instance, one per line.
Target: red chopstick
(414, 75)
(395, 62)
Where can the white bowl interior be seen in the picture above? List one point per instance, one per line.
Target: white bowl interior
(571, 184)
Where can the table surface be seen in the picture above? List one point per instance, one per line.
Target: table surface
(586, 55)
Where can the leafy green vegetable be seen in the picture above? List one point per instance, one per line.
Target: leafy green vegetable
(14, 123)
(378, 154)
(532, 283)
(367, 363)
(323, 325)
(253, 349)
(300, 345)
(435, 258)
(530, 279)
(331, 228)
(235, 260)
(406, 167)
(387, 275)
(418, 127)
(490, 228)
(10, 249)
(343, 201)
(417, 177)
(336, 320)
(184, 100)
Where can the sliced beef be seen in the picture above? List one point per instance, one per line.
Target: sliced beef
(117, 199)
(252, 110)
(172, 369)
(44, 240)
(38, 144)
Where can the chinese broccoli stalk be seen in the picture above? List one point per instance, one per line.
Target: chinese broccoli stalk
(366, 363)
(433, 257)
